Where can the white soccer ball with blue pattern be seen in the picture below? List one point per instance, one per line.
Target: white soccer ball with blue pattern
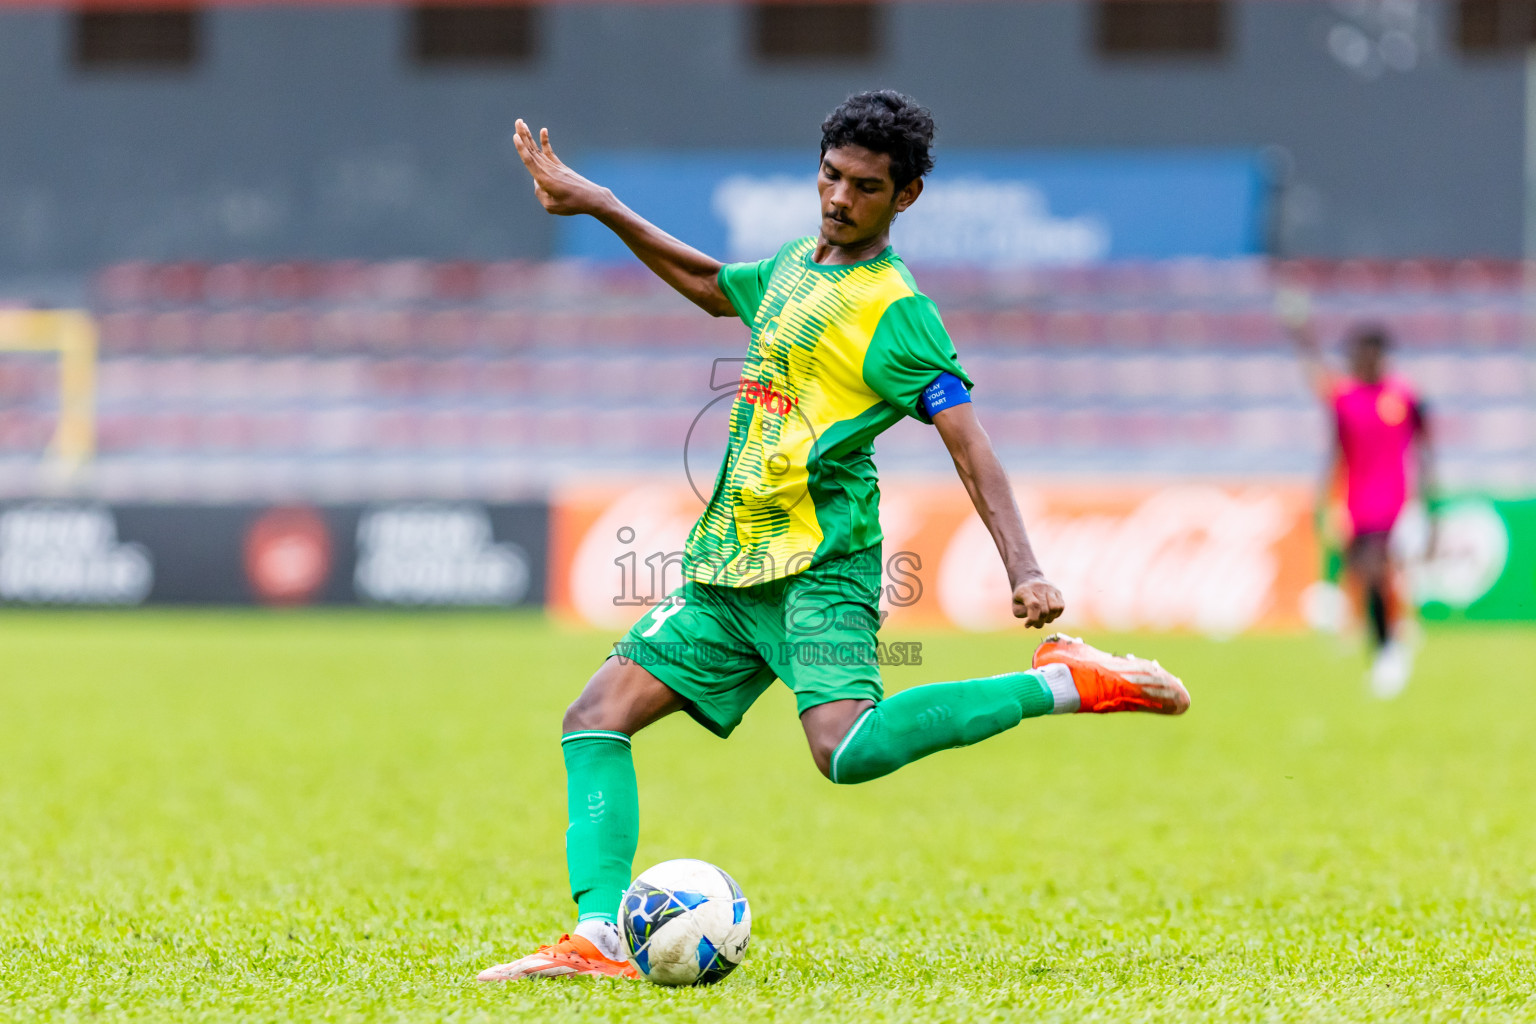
(685, 922)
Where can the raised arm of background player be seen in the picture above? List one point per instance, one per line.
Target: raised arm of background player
(565, 193)
(562, 191)
(1293, 307)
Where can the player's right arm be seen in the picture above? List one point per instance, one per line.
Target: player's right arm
(1294, 308)
(565, 193)
(1329, 486)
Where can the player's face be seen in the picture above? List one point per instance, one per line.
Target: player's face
(859, 199)
(1367, 362)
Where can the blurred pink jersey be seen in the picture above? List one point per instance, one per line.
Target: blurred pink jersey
(1376, 424)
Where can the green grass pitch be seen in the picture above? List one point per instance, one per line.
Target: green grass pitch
(219, 816)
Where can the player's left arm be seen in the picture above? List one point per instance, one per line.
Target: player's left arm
(1424, 459)
(1424, 450)
(1035, 599)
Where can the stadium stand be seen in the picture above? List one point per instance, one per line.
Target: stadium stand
(348, 379)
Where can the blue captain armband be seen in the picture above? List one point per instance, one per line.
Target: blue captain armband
(946, 391)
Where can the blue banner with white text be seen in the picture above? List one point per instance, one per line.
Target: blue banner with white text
(983, 208)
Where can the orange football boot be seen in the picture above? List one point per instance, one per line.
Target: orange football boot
(1108, 682)
(571, 955)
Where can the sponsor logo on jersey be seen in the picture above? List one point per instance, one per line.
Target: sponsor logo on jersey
(764, 395)
(1391, 408)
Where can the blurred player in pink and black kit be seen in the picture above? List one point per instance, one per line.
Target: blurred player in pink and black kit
(1377, 419)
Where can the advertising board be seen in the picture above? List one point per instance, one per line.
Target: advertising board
(1482, 567)
(403, 554)
(1214, 559)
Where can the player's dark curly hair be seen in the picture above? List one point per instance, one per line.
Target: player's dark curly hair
(884, 121)
(1370, 335)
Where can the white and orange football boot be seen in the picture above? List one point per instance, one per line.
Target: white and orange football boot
(1109, 682)
(571, 955)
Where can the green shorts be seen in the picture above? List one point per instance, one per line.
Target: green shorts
(721, 647)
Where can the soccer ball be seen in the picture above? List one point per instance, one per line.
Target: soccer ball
(685, 922)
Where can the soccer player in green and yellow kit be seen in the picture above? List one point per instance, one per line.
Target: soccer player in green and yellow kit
(787, 553)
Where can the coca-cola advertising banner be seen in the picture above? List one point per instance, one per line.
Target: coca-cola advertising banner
(393, 554)
(1209, 558)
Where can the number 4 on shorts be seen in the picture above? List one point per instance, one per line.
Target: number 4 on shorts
(662, 612)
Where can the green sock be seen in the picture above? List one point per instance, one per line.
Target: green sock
(604, 807)
(917, 722)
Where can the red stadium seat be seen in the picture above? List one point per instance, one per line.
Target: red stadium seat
(449, 330)
(400, 282)
(556, 379)
(174, 333)
(26, 430)
(284, 283)
(224, 431)
(448, 429)
(126, 285)
(1131, 329)
(455, 282)
(1416, 278)
(1365, 277)
(285, 333)
(1016, 327)
(232, 284)
(1302, 274)
(232, 331)
(504, 379)
(968, 327)
(505, 281)
(396, 429)
(344, 281)
(1012, 379)
(1255, 328)
(338, 331)
(390, 332)
(179, 284)
(1072, 329)
(507, 428)
(1187, 328)
(503, 330)
(1475, 277)
(1486, 327)
(123, 333)
(118, 432)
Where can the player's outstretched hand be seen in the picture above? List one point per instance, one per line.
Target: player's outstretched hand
(1037, 602)
(558, 189)
(1293, 307)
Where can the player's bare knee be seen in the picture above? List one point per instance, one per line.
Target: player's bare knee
(578, 717)
(591, 710)
(822, 753)
(827, 726)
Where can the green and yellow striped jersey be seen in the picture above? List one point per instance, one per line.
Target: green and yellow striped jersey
(838, 354)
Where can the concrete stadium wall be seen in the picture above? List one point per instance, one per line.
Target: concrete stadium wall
(310, 134)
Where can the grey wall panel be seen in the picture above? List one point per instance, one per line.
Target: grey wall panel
(308, 133)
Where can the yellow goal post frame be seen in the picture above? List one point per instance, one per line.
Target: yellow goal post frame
(71, 334)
